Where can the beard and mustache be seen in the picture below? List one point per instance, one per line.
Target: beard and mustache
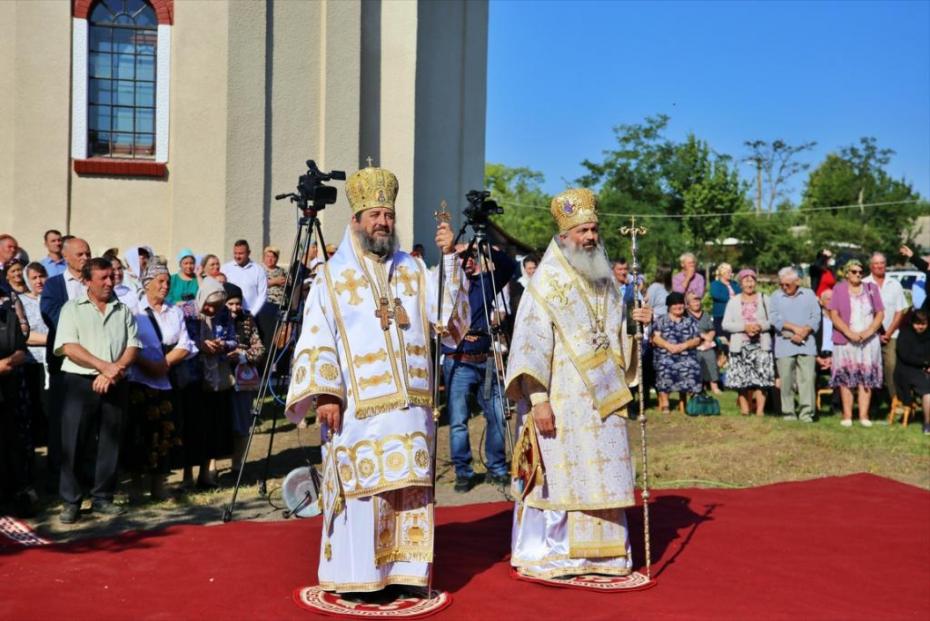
(378, 245)
(590, 263)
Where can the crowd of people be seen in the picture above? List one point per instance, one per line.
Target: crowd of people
(124, 363)
(853, 334)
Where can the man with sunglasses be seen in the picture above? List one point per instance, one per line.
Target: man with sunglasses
(795, 314)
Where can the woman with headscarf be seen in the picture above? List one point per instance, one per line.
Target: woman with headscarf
(675, 337)
(821, 272)
(857, 311)
(751, 367)
(137, 260)
(208, 432)
(184, 282)
(153, 425)
(245, 360)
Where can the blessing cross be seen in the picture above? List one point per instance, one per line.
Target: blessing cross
(350, 284)
(384, 313)
(443, 214)
(633, 232)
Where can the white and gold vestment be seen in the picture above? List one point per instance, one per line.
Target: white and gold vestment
(366, 340)
(570, 345)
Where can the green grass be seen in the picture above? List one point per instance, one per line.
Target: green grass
(741, 451)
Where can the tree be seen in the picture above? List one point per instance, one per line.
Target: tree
(775, 165)
(856, 176)
(518, 191)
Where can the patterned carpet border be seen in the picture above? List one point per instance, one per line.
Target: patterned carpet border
(20, 533)
(323, 602)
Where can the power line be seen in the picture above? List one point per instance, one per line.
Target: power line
(732, 213)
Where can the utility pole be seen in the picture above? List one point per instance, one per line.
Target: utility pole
(758, 185)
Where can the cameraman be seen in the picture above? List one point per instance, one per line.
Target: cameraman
(467, 369)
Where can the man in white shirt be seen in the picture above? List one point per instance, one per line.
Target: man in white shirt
(248, 276)
(895, 304)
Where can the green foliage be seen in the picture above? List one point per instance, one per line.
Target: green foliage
(518, 191)
(647, 173)
(856, 176)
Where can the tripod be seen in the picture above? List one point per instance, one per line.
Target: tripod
(493, 316)
(308, 223)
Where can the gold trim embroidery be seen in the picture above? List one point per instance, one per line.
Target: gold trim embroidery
(395, 461)
(586, 568)
(419, 373)
(375, 380)
(351, 285)
(417, 350)
(329, 372)
(368, 587)
(373, 357)
(405, 278)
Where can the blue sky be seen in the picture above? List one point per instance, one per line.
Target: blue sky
(561, 75)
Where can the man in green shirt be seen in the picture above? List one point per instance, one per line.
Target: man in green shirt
(97, 336)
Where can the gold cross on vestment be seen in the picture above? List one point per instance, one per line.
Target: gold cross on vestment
(350, 284)
(405, 278)
(384, 313)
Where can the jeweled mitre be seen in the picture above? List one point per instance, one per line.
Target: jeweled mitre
(573, 207)
(371, 187)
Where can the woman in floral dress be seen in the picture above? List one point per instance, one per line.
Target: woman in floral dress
(752, 368)
(856, 311)
(675, 336)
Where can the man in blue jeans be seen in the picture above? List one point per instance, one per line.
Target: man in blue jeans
(469, 369)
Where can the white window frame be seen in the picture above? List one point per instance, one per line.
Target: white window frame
(79, 60)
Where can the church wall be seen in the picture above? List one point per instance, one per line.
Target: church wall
(256, 89)
(398, 106)
(35, 198)
(247, 157)
(7, 116)
(450, 103)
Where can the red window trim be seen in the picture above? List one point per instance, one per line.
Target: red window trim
(120, 168)
(164, 10)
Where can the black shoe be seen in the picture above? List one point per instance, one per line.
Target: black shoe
(107, 507)
(463, 484)
(498, 479)
(69, 514)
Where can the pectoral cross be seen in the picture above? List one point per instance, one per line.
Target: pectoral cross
(350, 284)
(384, 313)
(368, 159)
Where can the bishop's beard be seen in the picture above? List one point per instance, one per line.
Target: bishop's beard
(590, 263)
(379, 246)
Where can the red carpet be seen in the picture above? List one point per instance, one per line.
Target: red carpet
(855, 547)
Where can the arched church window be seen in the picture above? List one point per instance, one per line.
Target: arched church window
(121, 74)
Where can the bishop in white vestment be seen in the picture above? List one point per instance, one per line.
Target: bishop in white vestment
(570, 367)
(363, 361)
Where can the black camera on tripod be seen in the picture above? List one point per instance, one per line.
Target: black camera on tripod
(312, 192)
(480, 208)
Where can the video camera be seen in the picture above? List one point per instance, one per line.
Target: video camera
(311, 192)
(480, 208)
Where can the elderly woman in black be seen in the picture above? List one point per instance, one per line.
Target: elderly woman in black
(209, 432)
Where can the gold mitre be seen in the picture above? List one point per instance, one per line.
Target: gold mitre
(573, 207)
(371, 187)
